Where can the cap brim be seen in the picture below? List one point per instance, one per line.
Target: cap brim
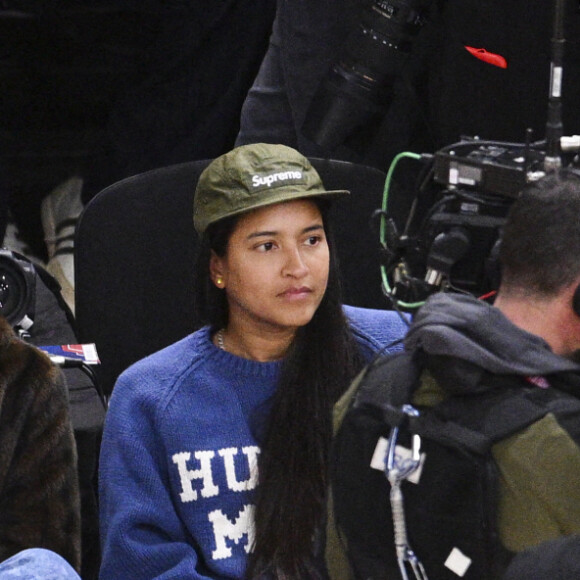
(281, 196)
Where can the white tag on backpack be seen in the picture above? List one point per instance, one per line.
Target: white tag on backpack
(458, 562)
(402, 455)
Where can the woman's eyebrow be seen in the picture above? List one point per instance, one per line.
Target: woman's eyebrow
(313, 228)
(260, 234)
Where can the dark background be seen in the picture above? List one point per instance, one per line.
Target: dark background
(107, 89)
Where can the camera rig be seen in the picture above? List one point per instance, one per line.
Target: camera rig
(450, 240)
(451, 237)
(454, 222)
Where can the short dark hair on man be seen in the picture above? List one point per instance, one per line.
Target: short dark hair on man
(540, 247)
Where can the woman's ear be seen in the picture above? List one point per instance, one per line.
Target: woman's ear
(216, 270)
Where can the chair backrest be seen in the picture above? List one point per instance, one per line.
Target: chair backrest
(135, 250)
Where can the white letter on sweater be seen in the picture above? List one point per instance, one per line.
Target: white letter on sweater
(251, 453)
(223, 528)
(188, 475)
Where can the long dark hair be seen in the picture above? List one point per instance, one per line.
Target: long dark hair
(323, 359)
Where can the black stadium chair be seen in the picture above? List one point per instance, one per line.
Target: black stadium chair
(135, 250)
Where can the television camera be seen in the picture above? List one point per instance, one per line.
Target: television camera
(450, 239)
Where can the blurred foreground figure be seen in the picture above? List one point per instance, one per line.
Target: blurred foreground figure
(39, 497)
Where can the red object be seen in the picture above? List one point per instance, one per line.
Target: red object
(489, 57)
(488, 296)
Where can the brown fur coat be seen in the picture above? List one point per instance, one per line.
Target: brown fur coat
(39, 493)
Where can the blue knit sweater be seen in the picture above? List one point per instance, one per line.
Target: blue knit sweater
(178, 458)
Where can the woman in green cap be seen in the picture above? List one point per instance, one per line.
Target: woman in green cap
(215, 450)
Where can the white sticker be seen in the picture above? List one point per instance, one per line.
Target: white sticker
(453, 175)
(556, 82)
(402, 455)
(458, 562)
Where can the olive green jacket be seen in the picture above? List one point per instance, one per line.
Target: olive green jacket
(536, 466)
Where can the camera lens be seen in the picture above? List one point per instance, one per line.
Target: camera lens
(358, 89)
(16, 289)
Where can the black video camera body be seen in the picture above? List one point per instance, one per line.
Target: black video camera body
(452, 236)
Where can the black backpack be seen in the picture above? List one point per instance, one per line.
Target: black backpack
(450, 514)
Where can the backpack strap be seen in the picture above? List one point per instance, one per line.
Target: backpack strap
(389, 384)
(475, 422)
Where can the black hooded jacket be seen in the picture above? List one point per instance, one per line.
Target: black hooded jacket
(465, 339)
(471, 349)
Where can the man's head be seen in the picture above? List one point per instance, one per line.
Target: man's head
(540, 259)
(540, 247)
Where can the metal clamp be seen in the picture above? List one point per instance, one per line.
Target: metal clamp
(396, 474)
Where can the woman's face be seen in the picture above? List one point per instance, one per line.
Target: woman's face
(275, 269)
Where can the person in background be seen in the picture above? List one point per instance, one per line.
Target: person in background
(432, 88)
(214, 454)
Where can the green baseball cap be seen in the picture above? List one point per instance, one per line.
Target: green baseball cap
(253, 176)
